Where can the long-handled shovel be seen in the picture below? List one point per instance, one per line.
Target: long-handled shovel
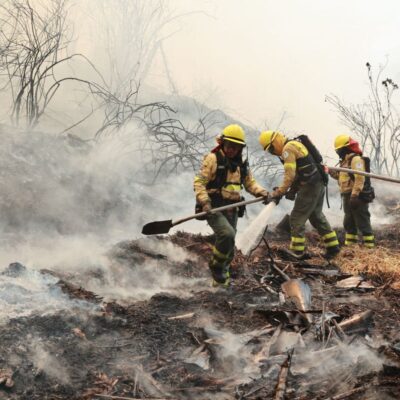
(374, 176)
(159, 227)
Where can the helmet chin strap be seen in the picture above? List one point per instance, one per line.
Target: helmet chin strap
(343, 152)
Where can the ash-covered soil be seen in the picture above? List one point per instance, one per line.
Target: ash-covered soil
(190, 341)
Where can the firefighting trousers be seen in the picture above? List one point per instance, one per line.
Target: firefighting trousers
(357, 219)
(308, 206)
(224, 226)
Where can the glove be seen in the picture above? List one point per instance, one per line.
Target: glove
(266, 196)
(276, 200)
(291, 195)
(355, 202)
(275, 196)
(276, 193)
(333, 174)
(207, 207)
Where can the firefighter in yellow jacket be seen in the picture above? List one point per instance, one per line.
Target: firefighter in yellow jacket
(352, 188)
(302, 177)
(219, 182)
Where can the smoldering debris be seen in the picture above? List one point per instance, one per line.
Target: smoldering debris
(45, 361)
(25, 292)
(201, 343)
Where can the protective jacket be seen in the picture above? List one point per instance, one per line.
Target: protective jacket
(298, 164)
(349, 183)
(230, 190)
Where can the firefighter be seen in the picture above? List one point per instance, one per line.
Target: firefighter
(218, 183)
(355, 204)
(303, 182)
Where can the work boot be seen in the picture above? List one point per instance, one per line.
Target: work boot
(218, 273)
(332, 252)
(224, 285)
(224, 277)
(295, 255)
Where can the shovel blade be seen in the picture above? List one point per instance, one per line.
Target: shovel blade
(157, 227)
(299, 292)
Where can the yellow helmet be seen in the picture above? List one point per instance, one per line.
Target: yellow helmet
(342, 141)
(234, 133)
(273, 141)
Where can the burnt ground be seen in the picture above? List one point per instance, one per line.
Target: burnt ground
(212, 343)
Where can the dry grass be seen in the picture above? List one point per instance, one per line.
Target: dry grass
(379, 262)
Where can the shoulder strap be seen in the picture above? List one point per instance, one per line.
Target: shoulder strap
(221, 173)
(244, 170)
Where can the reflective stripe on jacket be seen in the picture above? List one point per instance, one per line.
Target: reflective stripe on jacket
(230, 190)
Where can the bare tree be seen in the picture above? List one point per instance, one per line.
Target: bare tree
(375, 122)
(135, 37)
(268, 168)
(137, 33)
(33, 45)
(162, 142)
(34, 39)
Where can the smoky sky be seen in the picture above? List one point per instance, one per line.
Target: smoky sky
(261, 59)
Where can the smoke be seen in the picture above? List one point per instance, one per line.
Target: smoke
(339, 366)
(260, 354)
(48, 363)
(25, 292)
(65, 202)
(57, 187)
(233, 354)
(140, 282)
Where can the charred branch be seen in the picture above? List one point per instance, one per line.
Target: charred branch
(283, 376)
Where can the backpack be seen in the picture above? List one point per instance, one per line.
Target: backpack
(315, 155)
(367, 193)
